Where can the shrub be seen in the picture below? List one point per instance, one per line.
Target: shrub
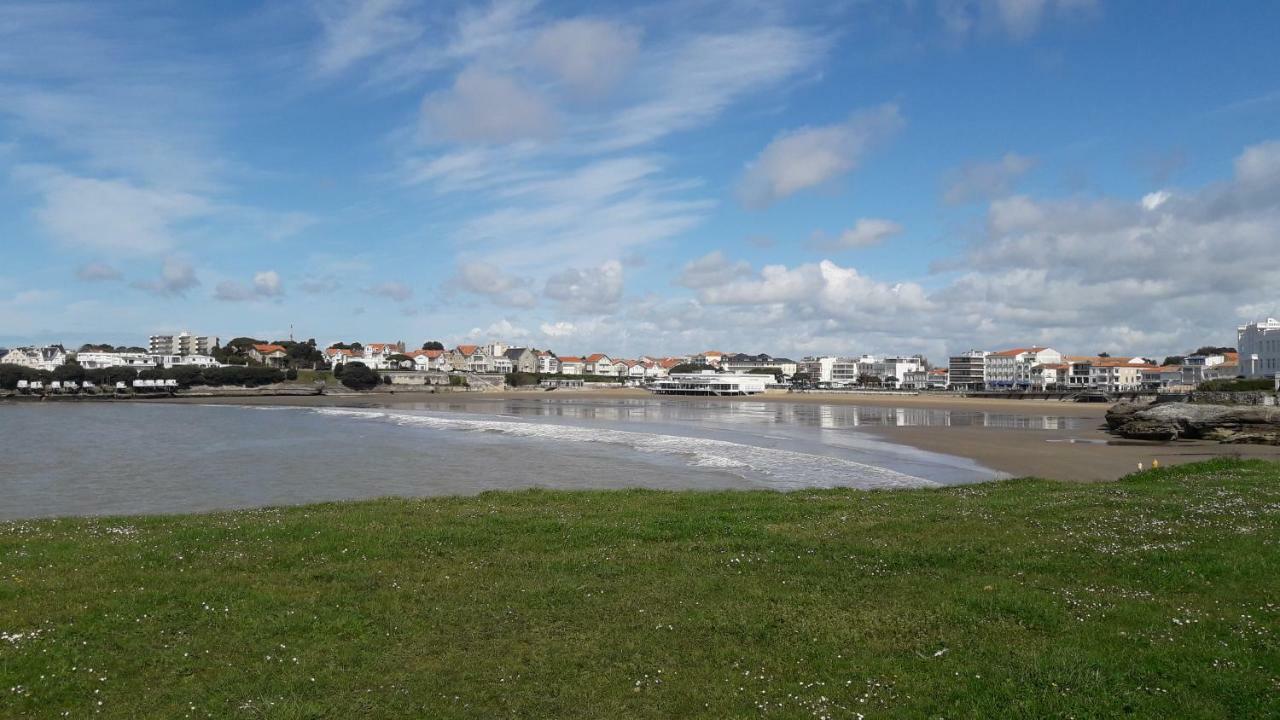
(1237, 385)
(522, 379)
(358, 376)
(291, 374)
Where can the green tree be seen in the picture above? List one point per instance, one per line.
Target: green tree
(1212, 350)
(358, 376)
(1173, 360)
(690, 368)
(70, 370)
(433, 345)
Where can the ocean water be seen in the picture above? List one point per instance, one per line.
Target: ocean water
(127, 458)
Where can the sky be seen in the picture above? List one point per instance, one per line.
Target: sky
(643, 178)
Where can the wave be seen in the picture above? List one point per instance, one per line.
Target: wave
(778, 469)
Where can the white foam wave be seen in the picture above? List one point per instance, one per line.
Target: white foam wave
(781, 469)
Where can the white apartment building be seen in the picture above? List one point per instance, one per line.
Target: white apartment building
(46, 357)
(169, 361)
(817, 368)
(897, 367)
(548, 364)
(741, 363)
(1012, 369)
(184, 343)
(1259, 346)
(94, 360)
(1112, 374)
(968, 371)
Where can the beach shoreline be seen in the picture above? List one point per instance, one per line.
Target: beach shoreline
(1083, 454)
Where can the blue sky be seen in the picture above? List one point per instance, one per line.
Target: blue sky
(643, 178)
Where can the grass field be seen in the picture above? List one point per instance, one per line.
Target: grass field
(1157, 597)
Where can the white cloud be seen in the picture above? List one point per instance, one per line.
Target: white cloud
(559, 329)
(355, 30)
(97, 271)
(587, 55)
(697, 78)
(265, 285)
(110, 215)
(487, 107)
(986, 181)
(711, 270)
(812, 156)
(321, 285)
(590, 290)
(485, 279)
(501, 330)
(176, 278)
(1019, 19)
(394, 290)
(866, 232)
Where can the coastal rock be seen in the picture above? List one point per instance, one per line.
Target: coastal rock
(1248, 424)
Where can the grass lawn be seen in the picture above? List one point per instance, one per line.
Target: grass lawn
(311, 376)
(1156, 597)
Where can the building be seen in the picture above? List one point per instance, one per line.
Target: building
(894, 369)
(599, 364)
(46, 357)
(522, 360)
(430, 360)
(170, 361)
(817, 369)
(968, 371)
(1048, 376)
(268, 354)
(709, 382)
(94, 360)
(548, 363)
(572, 365)
(183, 343)
(1012, 369)
(1259, 346)
(1199, 368)
(742, 363)
(1107, 374)
(1166, 378)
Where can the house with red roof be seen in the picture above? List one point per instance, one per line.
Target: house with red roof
(269, 354)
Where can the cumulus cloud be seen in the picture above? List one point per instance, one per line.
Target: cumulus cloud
(265, 284)
(711, 270)
(503, 329)
(482, 278)
(559, 329)
(986, 180)
(812, 156)
(393, 290)
(587, 55)
(321, 285)
(176, 278)
(97, 271)
(110, 215)
(866, 232)
(487, 107)
(587, 290)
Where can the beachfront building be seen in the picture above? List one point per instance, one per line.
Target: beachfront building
(171, 361)
(45, 357)
(710, 358)
(742, 363)
(572, 365)
(1200, 368)
(429, 360)
(94, 360)
(1012, 369)
(599, 364)
(184, 343)
(968, 371)
(1107, 374)
(522, 359)
(1165, 378)
(1048, 376)
(894, 368)
(817, 369)
(709, 382)
(1259, 346)
(548, 363)
(269, 354)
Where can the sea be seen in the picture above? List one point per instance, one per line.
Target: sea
(112, 458)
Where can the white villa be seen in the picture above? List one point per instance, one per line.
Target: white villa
(46, 357)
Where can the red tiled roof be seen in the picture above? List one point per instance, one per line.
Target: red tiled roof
(596, 357)
(267, 348)
(468, 349)
(570, 359)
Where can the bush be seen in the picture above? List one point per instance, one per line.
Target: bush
(1237, 385)
(291, 374)
(358, 376)
(10, 374)
(457, 381)
(522, 379)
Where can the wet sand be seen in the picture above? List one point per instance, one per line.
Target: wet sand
(1084, 454)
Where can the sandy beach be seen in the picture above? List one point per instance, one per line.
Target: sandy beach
(1087, 453)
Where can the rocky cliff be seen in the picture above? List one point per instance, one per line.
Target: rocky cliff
(1251, 424)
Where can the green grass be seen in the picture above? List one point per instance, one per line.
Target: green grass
(1156, 596)
(311, 376)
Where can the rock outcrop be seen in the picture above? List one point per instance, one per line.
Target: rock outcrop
(1251, 424)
